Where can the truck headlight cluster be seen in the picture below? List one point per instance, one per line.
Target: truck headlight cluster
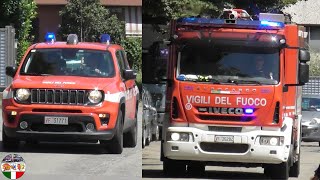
(22, 94)
(95, 96)
(271, 140)
(179, 136)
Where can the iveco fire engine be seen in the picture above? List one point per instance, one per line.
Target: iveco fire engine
(71, 91)
(234, 94)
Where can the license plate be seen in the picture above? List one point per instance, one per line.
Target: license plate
(56, 120)
(224, 139)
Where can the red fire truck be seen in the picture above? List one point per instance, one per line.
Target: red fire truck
(72, 91)
(234, 94)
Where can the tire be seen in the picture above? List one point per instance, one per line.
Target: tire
(156, 135)
(115, 145)
(295, 168)
(278, 171)
(173, 167)
(9, 142)
(196, 169)
(130, 138)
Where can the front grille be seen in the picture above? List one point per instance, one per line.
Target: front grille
(57, 110)
(225, 129)
(56, 128)
(224, 147)
(58, 96)
(227, 118)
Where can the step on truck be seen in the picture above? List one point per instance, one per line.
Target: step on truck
(234, 94)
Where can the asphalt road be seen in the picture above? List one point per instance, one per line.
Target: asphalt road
(59, 161)
(152, 166)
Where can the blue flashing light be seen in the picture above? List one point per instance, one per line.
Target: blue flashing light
(273, 24)
(50, 37)
(248, 111)
(239, 23)
(105, 38)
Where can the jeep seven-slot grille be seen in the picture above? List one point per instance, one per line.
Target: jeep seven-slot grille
(58, 96)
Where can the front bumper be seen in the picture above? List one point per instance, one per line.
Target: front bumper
(75, 130)
(245, 149)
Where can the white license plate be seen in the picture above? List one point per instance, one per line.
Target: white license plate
(224, 139)
(56, 120)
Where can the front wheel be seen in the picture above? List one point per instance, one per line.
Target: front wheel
(9, 142)
(277, 171)
(130, 138)
(115, 146)
(173, 167)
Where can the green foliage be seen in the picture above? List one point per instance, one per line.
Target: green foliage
(164, 10)
(314, 63)
(133, 48)
(20, 15)
(89, 19)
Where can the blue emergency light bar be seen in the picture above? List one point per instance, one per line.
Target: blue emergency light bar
(239, 23)
(50, 37)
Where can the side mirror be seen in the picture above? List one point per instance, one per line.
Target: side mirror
(129, 74)
(11, 71)
(304, 55)
(303, 73)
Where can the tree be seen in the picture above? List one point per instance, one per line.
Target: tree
(20, 15)
(89, 19)
(314, 63)
(162, 11)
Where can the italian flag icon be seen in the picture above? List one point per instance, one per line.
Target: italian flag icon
(13, 175)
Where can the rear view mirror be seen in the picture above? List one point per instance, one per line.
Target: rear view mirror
(303, 73)
(129, 74)
(11, 71)
(304, 55)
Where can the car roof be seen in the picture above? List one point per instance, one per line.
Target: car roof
(80, 45)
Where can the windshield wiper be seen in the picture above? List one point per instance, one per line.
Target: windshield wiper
(238, 81)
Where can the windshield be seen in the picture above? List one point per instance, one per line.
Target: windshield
(310, 104)
(228, 64)
(68, 62)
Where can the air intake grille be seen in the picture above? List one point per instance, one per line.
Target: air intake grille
(58, 96)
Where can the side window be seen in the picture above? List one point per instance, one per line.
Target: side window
(124, 56)
(120, 61)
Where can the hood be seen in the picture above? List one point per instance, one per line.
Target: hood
(309, 115)
(65, 82)
(221, 104)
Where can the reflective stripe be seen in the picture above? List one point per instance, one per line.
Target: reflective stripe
(115, 97)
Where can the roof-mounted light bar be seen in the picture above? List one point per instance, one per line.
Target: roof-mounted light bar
(72, 39)
(228, 23)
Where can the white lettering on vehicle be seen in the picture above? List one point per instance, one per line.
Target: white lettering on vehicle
(251, 101)
(222, 100)
(198, 99)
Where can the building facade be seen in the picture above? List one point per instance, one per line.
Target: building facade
(306, 13)
(48, 19)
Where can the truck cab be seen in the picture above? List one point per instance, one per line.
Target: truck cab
(71, 91)
(234, 94)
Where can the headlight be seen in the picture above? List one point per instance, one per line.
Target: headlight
(95, 96)
(22, 94)
(179, 136)
(271, 141)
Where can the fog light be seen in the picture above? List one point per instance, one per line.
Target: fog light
(90, 126)
(175, 136)
(102, 115)
(13, 113)
(23, 125)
